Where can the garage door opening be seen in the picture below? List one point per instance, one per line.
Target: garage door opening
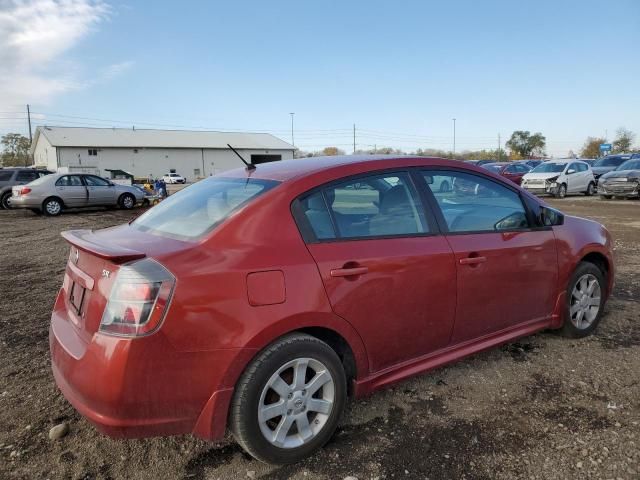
(258, 159)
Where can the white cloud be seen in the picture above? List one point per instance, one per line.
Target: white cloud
(116, 69)
(34, 35)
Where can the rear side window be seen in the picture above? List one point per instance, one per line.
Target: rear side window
(475, 203)
(197, 209)
(69, 181)
(367, 207)
(5, 176)
(26, 176)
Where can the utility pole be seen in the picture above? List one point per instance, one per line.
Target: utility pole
(29, 120)
(293, 142)
(354, 138)
(499, 152)
(454, 137)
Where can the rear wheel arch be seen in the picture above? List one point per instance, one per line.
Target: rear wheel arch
(343, 339)
(342, 348)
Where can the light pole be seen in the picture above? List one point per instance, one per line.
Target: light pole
(454, 137)
(292, 139)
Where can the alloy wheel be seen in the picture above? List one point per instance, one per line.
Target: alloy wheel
(53, 207)
(562, 191)
(296, 402)
(585, 301)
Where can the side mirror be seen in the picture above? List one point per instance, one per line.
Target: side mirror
(570, 171)
(551, 217)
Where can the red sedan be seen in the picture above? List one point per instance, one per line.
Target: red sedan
(510, 170)
(260, 299)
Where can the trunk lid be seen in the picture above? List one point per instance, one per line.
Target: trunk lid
(92, 267)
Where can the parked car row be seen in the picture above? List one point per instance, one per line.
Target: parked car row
(43, 191)
(560, 178)
(51, 194)
(614, 175)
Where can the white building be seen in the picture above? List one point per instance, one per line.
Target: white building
(152, 153)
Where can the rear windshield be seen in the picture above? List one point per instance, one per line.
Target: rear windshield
(40, 180)
(492, 167)
(609, 162)
(630, 165)
(549, 167)
(197, 209)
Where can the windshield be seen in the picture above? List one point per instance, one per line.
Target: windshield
(630, 165)
(549, 167)
(197, 209)
(609, 162)
(492, 168)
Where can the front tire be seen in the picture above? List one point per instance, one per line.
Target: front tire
(127, 201)
(289, 400)
(591, 190)
(585, 301)
(562, 191)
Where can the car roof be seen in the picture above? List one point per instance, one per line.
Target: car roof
(498, 163)
(284, 170)
(564, 160)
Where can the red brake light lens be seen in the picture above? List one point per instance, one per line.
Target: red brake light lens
(139, 299)
(25, 190)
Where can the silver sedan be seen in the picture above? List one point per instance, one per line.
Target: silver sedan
(53, 193)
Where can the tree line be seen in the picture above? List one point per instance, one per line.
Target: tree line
(522, 144)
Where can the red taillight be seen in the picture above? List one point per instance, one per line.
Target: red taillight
(138, 300)
(25, 190)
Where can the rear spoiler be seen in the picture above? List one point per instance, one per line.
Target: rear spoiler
(87, 241)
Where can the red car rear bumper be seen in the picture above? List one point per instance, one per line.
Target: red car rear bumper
(141, 387)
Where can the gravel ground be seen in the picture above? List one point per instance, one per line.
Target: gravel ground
(541, 408)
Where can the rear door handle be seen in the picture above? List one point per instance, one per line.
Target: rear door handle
(349, 272)
(472, 260)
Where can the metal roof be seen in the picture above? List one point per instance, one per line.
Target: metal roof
(145, 138)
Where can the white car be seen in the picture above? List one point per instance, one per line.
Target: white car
(560, 178)
(173, 178)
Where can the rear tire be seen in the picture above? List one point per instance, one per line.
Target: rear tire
(585, 301)
(4, 201)
(127, 201)
(591, 190)
(279, 416)
(52, 207)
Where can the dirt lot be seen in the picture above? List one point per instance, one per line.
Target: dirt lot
(542, 408)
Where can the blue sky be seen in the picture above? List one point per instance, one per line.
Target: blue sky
(399, 70)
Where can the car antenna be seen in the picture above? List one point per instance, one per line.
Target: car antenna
(250, 166)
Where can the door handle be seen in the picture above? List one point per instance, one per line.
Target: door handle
(472, 260)
(349, 272)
